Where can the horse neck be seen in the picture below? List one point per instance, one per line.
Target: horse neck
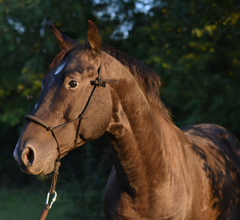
(139, 135)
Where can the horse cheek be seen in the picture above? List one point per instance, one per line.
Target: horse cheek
(96, 121)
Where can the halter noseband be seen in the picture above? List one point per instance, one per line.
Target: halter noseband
(97, 82)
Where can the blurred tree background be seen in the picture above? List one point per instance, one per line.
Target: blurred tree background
(194, 45)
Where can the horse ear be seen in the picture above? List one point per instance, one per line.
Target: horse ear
(65, 42)
(94, 37)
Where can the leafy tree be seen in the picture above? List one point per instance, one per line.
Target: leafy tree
(194, 46)
(29, 46)
(27, 49)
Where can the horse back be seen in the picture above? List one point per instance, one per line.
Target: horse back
(216, 137)
(219, 152)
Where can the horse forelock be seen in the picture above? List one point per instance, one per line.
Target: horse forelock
(59, 57)
(57, 60)
(147, 78)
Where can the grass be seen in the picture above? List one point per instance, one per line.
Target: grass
(27, 204)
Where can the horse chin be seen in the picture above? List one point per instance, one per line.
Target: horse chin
(48, 168)
(39, 171)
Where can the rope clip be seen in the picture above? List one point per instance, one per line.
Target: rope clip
(53, 199)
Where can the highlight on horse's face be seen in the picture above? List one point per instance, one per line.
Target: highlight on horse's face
(65, 92)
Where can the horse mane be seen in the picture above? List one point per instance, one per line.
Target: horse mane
(147, 78)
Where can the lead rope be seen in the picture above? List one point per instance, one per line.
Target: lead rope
(51, 191)
(97, 82)
(53, 181)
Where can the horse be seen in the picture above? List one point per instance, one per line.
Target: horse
(159, 171)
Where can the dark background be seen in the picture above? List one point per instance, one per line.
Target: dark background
(194, 45)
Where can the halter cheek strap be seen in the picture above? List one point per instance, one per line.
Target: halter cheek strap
(96, 83)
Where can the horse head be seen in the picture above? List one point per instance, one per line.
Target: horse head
(67, 113)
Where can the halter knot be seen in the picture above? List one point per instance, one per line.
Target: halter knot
(102, 82)
(57, 165)
(80, 116)
(49, 128)
(98, 82)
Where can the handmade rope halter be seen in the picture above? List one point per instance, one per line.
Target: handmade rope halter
(96, 83)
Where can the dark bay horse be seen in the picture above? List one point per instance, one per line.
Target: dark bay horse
(160, 171)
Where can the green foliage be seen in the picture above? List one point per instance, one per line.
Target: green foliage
(28, 46)
(27, 49)
(86, 183)
(195, 48)
(27, 204)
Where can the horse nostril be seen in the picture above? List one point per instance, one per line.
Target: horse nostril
(28, 156)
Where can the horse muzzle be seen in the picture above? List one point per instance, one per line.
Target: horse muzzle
(31, 161)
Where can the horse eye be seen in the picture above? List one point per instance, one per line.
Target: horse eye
(72, 84)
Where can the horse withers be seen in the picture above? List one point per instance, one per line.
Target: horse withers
(159, 171)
